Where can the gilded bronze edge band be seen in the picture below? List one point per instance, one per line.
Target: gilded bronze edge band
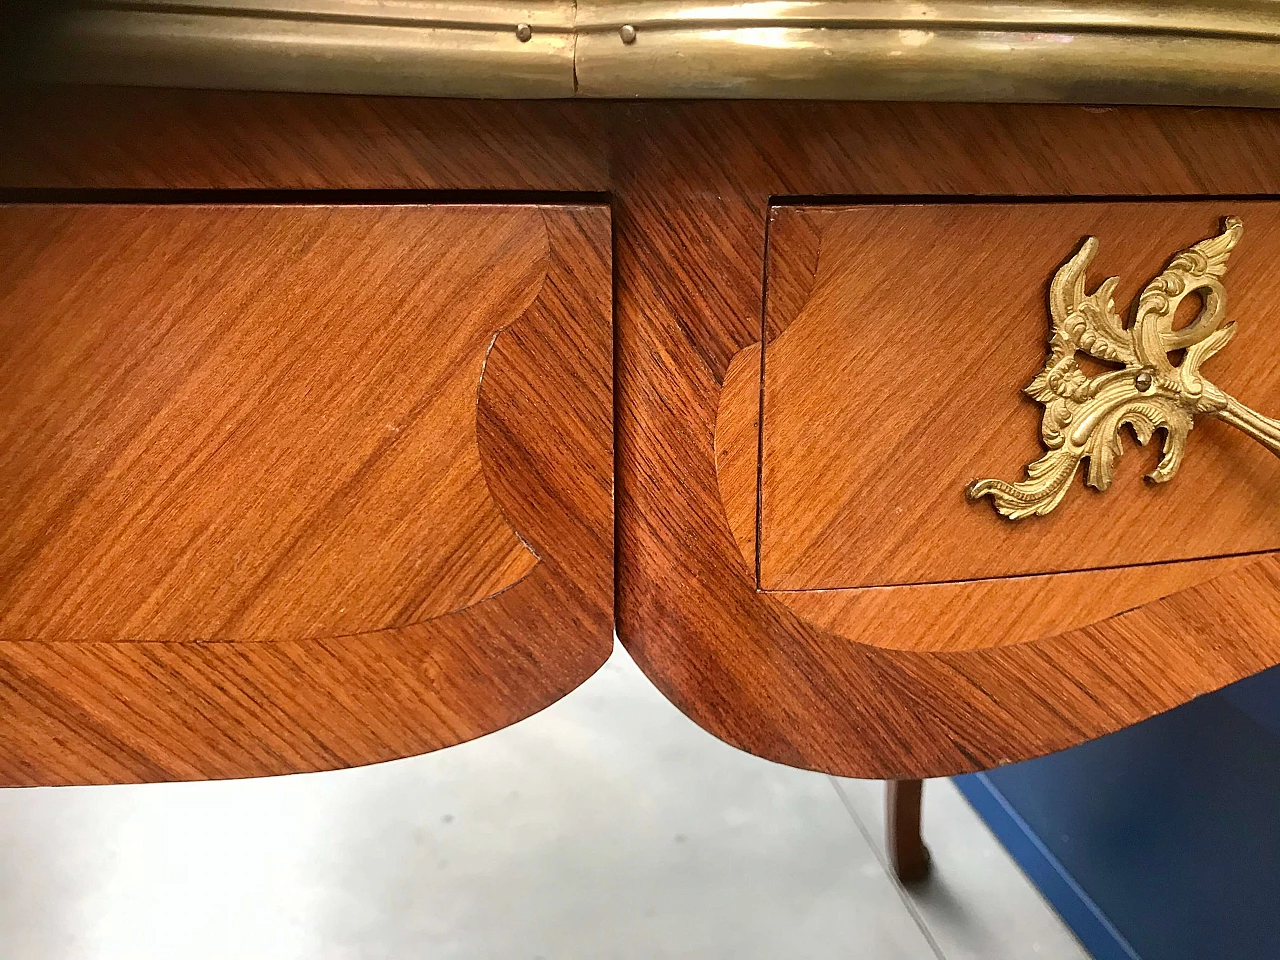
(1227, 59)
(297, 54)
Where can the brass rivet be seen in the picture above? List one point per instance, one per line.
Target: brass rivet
(628, 33)
(523, 32)
(1144, 381)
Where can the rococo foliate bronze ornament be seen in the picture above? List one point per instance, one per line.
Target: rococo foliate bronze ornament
(1083, 414)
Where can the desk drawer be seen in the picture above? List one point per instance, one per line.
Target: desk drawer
(381, 429)
(900, 341)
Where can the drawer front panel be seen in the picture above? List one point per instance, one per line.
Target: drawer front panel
(252, 423)
(896, 378)
(342, 471)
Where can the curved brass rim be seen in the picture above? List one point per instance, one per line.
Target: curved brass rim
(1084, 51)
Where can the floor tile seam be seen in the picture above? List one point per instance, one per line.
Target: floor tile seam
(912, 910)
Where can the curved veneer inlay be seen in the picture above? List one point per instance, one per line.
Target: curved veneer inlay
(900, 337)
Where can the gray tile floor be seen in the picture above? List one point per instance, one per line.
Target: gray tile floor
(608, 826)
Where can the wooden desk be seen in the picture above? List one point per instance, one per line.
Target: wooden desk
(317, 434)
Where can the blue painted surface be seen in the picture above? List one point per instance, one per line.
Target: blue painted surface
(1086, 919)
(1162, 841)
(1259, 697)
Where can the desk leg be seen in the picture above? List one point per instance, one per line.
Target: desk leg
(908, 856)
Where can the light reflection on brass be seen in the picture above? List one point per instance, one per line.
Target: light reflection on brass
(549, 14)
(265, 53)
(873, 63)
(1084, 51)
(1245, 18)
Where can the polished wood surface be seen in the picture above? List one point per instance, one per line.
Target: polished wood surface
(695, 186)
(900, 381)
(976, 614)
(251, 423)
(880, 406)
(349, 464)
(692, 186)
(123, 139)
(908, 856)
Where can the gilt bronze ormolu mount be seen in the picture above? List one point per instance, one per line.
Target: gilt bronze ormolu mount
(1083, 414)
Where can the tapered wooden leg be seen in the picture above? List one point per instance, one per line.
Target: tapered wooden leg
(908, 856)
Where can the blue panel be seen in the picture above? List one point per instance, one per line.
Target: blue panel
(1259, 697)
(1169, 831)
(1086, 919)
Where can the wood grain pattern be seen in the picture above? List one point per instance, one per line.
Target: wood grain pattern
(243, 423)
(375, 439)
(792, 265)
(737, 446)
(964, 615)
(901, 378)
(202, 140)
(694, 191)
(691, 186)
(876, 420)
(976, 614)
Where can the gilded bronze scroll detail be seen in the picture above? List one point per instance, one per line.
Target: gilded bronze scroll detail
(1083, 414)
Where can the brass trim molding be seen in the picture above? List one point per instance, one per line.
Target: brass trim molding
(1224, 53)
(170, 49)
(1241, 18)
(555, 15)
(408, 48)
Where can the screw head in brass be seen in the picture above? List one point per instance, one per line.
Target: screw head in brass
(523, 32)
(628, 33)
(1144, 381)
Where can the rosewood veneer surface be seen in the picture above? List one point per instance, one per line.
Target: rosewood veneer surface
(696, 185)
(296, 486)
(905, 335)
(692, 186)
(900, 380)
